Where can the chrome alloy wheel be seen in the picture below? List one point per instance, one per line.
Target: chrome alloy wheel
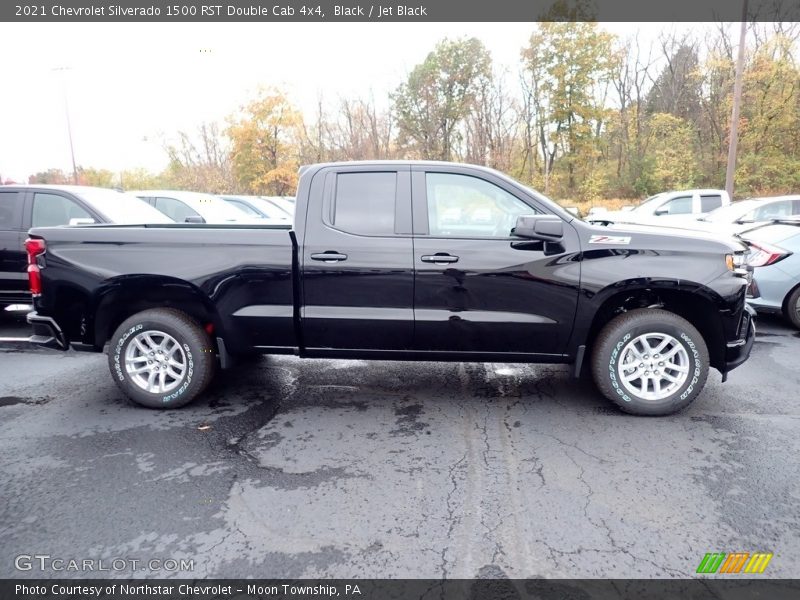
(653, 366)
(155, 362)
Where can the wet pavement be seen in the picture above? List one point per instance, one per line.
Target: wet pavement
(332, 468)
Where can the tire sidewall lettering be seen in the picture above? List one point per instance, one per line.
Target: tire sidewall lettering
(187, 379)
(119, 347)
(612, 372)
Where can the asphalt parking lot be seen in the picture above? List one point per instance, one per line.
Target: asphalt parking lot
(290, 468)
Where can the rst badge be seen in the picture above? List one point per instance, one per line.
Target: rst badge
(615, 240)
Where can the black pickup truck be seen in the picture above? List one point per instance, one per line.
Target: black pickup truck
(399, 261)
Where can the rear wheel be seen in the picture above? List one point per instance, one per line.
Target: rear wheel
(792, 311)
(161, 358)
(650, 362)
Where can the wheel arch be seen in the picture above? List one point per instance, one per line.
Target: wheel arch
(694, 302)
(125, 296)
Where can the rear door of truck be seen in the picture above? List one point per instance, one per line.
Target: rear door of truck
(357, 261)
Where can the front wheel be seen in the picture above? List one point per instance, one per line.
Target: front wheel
(650, 362)
(161, 358)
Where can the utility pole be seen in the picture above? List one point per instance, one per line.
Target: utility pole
(69, 124)
(737, 99)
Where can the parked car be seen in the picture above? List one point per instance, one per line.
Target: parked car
(287, 203)
(259, 208)
(668, 208)
(365, 273)
(26, 206)
(775, 258)
(739, 216)
(194, 207)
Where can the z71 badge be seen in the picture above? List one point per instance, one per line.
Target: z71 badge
(610, 239)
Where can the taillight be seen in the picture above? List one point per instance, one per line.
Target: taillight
(34, 247)
(762, 254)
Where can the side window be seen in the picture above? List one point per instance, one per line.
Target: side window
(10, 211)
(175, 209)
(50, 210)
(364, 203)
(710, 202)
(677, 206)
(465, 206)
(774, 210)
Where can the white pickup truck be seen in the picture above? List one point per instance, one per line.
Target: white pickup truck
(667, 208)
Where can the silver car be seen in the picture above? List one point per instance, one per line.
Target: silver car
(775, 258)
(740, 216)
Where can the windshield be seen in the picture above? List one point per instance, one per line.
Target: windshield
(730, 213)
(271, 210)
(645, 204)
(122, 208)
(286, 203)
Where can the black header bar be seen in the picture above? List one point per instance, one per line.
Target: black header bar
(383, 10)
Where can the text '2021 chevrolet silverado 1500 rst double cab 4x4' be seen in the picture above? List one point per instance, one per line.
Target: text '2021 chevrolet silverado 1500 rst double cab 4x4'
(399, 260)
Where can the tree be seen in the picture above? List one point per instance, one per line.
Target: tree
(769, 144)
(491, 127)
(142, 179)
(265, 144)
(438, 95)
(96, 177)
(670, 160)
(50, 176)
(568, 70)
(677, 89)
(202, 164)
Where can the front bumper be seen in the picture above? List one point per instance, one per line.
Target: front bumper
(46, 332)
(738, 351)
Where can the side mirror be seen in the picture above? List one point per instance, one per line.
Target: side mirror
(194, 219)
(660, 212)
(547, 228)
(81, 221)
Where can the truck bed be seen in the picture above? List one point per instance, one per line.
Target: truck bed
(244, 272)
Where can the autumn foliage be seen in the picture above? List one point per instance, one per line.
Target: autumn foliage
(584, 116)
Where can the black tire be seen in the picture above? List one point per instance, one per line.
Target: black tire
(614, 344)
(792, 310)
(195, 352)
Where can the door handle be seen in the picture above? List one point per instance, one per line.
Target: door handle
(329, 257)
(440, 258)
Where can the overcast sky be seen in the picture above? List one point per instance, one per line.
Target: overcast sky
(130, 85)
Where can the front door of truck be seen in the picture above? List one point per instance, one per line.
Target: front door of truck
(357, 261)
(478, 288)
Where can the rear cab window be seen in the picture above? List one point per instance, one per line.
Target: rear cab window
(709, 202)
(365, 203)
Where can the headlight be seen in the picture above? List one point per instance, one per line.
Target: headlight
(736, 261)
